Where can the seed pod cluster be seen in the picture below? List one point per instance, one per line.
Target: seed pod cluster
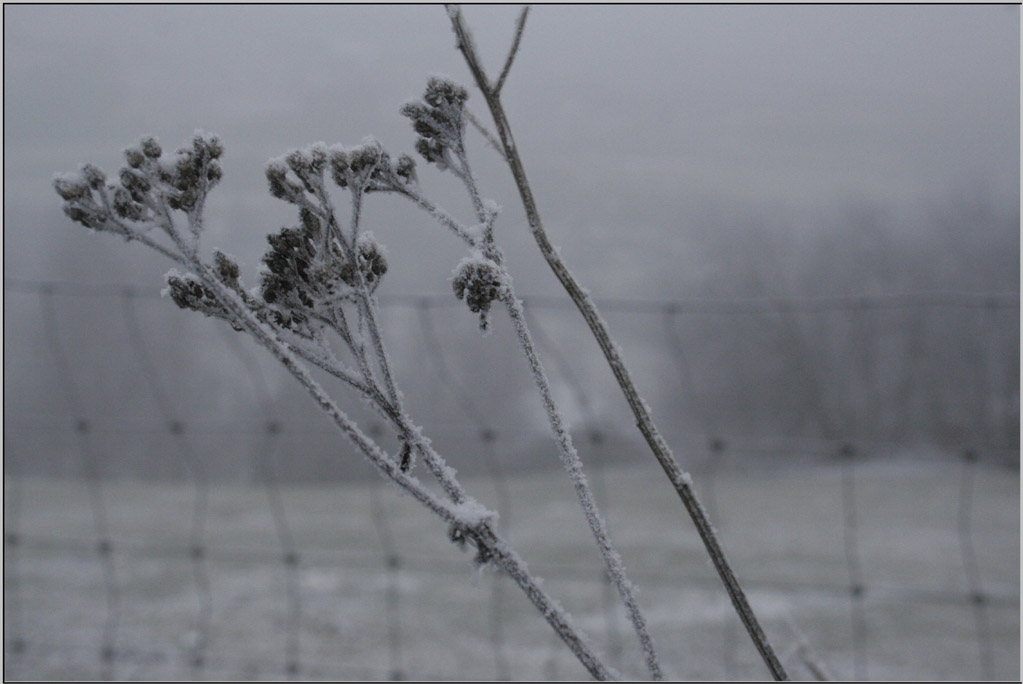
(479, 281)
(439, 119)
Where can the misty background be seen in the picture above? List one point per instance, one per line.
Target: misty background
(827, 195)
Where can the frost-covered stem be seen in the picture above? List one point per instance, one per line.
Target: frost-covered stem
(485, 217)
(442, 217)
(131, 233)
(331, 366)
(395, 411)
(357, 348)
(520, 25)
(188, 252)
(268, 339)
(483, 533)
(400, 417)
(551, 610)
(465, 174)
(679, 479)
(569, 457)
(369, 312)
(152, 244)
(339, 323)
(484, 131)
(572, 463)
(468, 520)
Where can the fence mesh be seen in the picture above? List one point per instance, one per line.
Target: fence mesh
(861, 562)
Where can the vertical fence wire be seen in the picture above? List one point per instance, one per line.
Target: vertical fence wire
(113, 654)
(596, 473)
(14, 628)
(966, 547)
(982, 380)
(263, 454)
(488, 435)
(200, 502)
(104, 544)
(708, 483)
(866, 349)
(850, 543)
(392, 595)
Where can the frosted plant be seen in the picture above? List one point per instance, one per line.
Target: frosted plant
(315, 298)
(482, 279)
(315, 305)
(505, 145)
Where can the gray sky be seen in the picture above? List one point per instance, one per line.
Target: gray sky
(663, 142)
(630, 119)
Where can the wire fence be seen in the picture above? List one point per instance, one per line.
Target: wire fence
(861, 565)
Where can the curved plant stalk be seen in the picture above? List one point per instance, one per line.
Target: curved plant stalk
(566, 450)
(482, 279)
(339, 271)
(679, 478)
(572, 463)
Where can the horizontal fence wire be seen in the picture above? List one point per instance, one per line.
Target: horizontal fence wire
(940, 298)
(405, 584)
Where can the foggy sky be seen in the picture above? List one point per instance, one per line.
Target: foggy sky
(630, 119)
(662, 142)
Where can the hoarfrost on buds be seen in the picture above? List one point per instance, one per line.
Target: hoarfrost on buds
(479, 281)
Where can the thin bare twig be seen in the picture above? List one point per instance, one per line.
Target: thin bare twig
(520, 25)
(485, 132)
(679, 479)
(566, 450)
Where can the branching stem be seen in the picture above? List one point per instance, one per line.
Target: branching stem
(520, 25)
(566, 450)
(679, 479)
(483, 533)
(572, 463)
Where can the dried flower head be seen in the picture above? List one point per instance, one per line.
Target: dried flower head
(188, 292)
(364, 167)
(281, 186)
(194, 172)
(291, 253)
(135, 157)
(76, 189)
(439, 119)
(126, 207)
(405, 170)
(442, 93)
(372, 263)
(479, 281)
(226, 269)
(308, 164)
(150, 147)
(93, 176)
(71, 187)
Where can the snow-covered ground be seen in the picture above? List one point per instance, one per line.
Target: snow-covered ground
(790, 532)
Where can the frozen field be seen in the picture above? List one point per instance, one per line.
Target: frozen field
(921, 538)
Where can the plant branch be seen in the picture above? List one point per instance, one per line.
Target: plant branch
(485, 132)
(520, 25)
(287, 329)
(488, 541)
(679, 479)
(572, 463)
(442, 217)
